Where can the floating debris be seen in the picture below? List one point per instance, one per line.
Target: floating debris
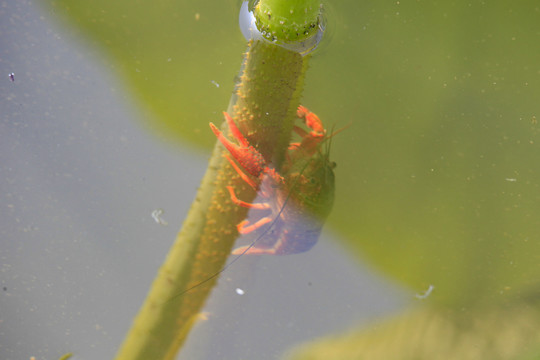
(66, 356)
(156, 215)
(426, 294)
(12, 77)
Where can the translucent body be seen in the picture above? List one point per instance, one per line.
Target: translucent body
(294, 203)
(295, 214)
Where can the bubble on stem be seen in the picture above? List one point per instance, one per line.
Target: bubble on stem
(248, 26)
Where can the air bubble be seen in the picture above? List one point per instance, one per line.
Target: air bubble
(250, 31)
(240, 291)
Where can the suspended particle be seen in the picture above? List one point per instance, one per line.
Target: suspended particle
(156, 215)
(426, 293)
(239, 291)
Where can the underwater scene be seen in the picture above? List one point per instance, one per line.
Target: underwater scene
(269, 180)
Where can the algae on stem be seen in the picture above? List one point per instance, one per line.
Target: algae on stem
(264, 107)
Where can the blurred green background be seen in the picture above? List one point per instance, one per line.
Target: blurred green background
(438, 176)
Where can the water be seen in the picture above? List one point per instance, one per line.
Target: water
(436, 179)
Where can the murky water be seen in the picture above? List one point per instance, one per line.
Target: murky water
(436, 180)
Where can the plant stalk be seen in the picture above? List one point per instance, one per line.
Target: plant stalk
(264, 107)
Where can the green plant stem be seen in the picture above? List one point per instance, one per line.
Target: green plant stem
(264, 107)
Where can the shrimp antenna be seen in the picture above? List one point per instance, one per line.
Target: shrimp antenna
(265, 231)
(271, 224)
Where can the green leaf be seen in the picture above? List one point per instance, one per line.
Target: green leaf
(429, 333)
